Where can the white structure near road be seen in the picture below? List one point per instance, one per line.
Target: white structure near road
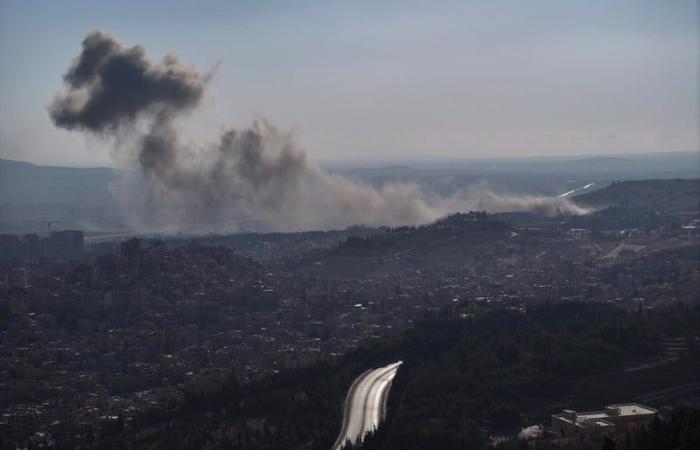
(593, 425)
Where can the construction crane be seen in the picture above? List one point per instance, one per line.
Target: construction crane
(49, 222)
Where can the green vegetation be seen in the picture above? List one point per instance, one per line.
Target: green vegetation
(461, 381)
(664, 196)
(678, 431)
(622, 217)
(505, 364)
(681, 431)
(474, 226)
(396, 250)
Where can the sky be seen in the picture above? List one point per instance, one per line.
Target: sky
(371, 80)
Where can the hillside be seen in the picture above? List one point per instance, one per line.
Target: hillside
(25, 183)
(461, 381)
(666, 196)
(407, 248)
(77, 197)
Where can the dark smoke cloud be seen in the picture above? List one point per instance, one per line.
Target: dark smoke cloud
(253, 178)
(110, 85)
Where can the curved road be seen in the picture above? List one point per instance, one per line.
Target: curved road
(575, 191)
(365, 404)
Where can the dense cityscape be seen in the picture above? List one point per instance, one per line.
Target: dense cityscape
(367, 225)
(95, 334)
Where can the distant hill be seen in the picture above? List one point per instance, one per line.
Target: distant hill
(665, 196)
(26, 183)
(76, 197)
(395, 250)
(608, 163)
(81, 197)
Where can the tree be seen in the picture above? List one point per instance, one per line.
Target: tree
(608, 443)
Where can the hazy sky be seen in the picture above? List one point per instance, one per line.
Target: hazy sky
(370, 79)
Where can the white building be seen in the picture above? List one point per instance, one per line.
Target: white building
(593, 425)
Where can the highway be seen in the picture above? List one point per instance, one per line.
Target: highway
(365, 404)
(574, 191)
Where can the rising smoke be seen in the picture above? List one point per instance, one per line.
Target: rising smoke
(257, 177)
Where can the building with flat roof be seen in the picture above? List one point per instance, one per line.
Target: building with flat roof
(593, 425)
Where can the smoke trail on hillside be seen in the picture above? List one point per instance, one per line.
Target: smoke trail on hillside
(258, 176)
(483, 198)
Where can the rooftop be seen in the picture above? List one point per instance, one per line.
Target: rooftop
(633, 409)
(610, 412)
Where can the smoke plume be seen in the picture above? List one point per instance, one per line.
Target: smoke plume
(110, 86)
(257, 177)
(483, 198)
